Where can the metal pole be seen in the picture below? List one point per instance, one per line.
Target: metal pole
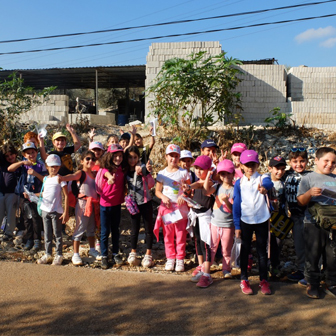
(96, 92)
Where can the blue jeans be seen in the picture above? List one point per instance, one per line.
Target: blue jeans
(109, 223)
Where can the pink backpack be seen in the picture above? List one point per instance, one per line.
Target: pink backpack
(100, 181)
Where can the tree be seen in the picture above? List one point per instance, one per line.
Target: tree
(201, 83)
(15, 99)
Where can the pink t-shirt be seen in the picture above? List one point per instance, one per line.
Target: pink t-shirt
(113, 194)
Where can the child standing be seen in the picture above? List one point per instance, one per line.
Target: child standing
(144, 150)
(169, 189)
(186, 160)
(138, 188)
(236, 151)
(87, 207)
(251, 214)
(319, 242)
(298, 160)
(110, 184)
(52, 212)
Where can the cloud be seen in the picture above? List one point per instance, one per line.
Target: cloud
(329, 43)
(312, 34)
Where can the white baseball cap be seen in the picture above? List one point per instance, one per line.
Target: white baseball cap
(53, 160)
(186, 154)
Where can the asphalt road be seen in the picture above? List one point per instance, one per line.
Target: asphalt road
(67, 300)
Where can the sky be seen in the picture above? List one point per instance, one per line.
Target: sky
(311, 43)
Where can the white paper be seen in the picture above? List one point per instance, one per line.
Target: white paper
(329, 193)
(172, 217)
(41, 130)
(153, 124)
(32, 197)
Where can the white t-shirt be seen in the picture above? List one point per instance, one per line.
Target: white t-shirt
(52, 195)
(172, 182)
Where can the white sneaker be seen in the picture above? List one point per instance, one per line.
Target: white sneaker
(227, 274)
(97, 247)
(170, 265)
(179, 265)
(57, 260)
(147, 261)
(45, 259)
(76, 260)
(132, 259)
(95, 254)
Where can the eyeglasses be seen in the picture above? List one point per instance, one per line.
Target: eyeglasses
(90, 159)
(298, 149)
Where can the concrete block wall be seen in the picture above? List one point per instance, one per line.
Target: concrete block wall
(103, 119)
(312, 92)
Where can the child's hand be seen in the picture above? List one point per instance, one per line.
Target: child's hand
(28, 163)
(166, 201)
(92, 134)
(111, 179)
(151, 131)
(138, 169)
(209, 175)
(238, 233)
(25, 195)
(64, 217)
(180, 201)
(186, 187)
(214, 159)
(149, 166)
(133, 130)
(69, 128)
(262, 190)
(30, 171)
(223, 197)
(223, 156)
(315, 192)
(121, 131)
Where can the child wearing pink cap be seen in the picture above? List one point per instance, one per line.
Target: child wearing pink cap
(236, 151)
(222, 228)
(173, 211)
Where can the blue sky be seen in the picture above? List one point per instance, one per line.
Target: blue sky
(311, 43)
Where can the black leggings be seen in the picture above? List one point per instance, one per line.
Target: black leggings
(146, 211)
(202, 248)
(32, 221)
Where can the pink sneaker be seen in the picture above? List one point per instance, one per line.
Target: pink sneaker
(265, 287)
(204, 282)
(196, 270)
(245, 287)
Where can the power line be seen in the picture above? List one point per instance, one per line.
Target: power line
(168, 36)
(169, 22)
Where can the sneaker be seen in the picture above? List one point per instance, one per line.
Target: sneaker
(147, 261)
(97, 246)
(245, 287)
(29, 245)
(303, 282)
(104, 263)
(204, 282)
(313, 292)
(295, 276)
(132, 259)
(37, 245)
(197, 277)
(197, 270)
(95, 254)
(170, 264)
(227, 274)
(179, 265)
(265, 287)
(330, 290)
(76, 260)
(45, 259)
(275, 272)
(117, 259)
(57, 260)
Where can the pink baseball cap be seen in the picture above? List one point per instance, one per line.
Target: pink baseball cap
(173, 149)
(115, 148)
(249, 156)
(96, 144)
(203, 162)
(226, 166)
(238, 147)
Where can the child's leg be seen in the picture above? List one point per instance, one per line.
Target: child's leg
(246, 237)
(57, 228)
(227, 243)
(37, 222)
(48, 232)
(115, 215)
(105, 225)
(330, 259)
(275, 252)
(215, 237)
(299, 241)
(261, 231)
(135, 228)
(207, 258)
(198, 247)
(181, 237)
(146, 211)
(11, 202)
(169, 241)
(28, 220)
(81, 224)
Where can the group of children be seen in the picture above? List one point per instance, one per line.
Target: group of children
(216, 202)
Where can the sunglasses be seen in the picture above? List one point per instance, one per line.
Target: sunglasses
(298, 149)
(90, 159)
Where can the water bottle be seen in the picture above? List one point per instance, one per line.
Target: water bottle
(30, 179)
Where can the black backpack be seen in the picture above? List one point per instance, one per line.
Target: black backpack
(74, 184)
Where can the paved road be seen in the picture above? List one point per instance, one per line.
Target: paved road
(47, 300)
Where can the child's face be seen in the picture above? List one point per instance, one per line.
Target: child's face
(226, 177)
(88, 162)
(117, 158)
(298, 164)
(209, 151)
(112, 141)
(10, 157)
(326, 164)
(186, 163)
(277, 172)
(53, 170)
(200, 172)
(59, 144)
(98, 152)
(235, 156)
(138, 141)
(133, 159)
(124, 143)
(250, 168)
(30, 154)
(172, 160)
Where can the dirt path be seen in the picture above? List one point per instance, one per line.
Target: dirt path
(47, 300)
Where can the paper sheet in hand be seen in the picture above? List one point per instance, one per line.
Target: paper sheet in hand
(172, 217)
(153, 124)
(41, 130)
(32, 197)
(191, 202)
(329, 193)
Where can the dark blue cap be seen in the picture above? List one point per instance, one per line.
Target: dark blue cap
(208, 143)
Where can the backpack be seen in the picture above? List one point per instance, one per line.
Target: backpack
(324, 215)
(73, 190)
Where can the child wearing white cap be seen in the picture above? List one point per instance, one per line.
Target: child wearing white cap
(186, 160)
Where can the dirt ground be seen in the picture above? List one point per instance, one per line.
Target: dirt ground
(47, 300)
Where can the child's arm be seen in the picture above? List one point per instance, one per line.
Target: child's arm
(110, 177)
(224, 198)
(266, 185)
(65, 215)
(75, 138)
(236, 208)
(152, 141)
(43, 152)
(14, 166)
(208, 185)
(131, 142)
(305, 198)
(70, 177)
(91, 134)
(158, 193)
(31, 171)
